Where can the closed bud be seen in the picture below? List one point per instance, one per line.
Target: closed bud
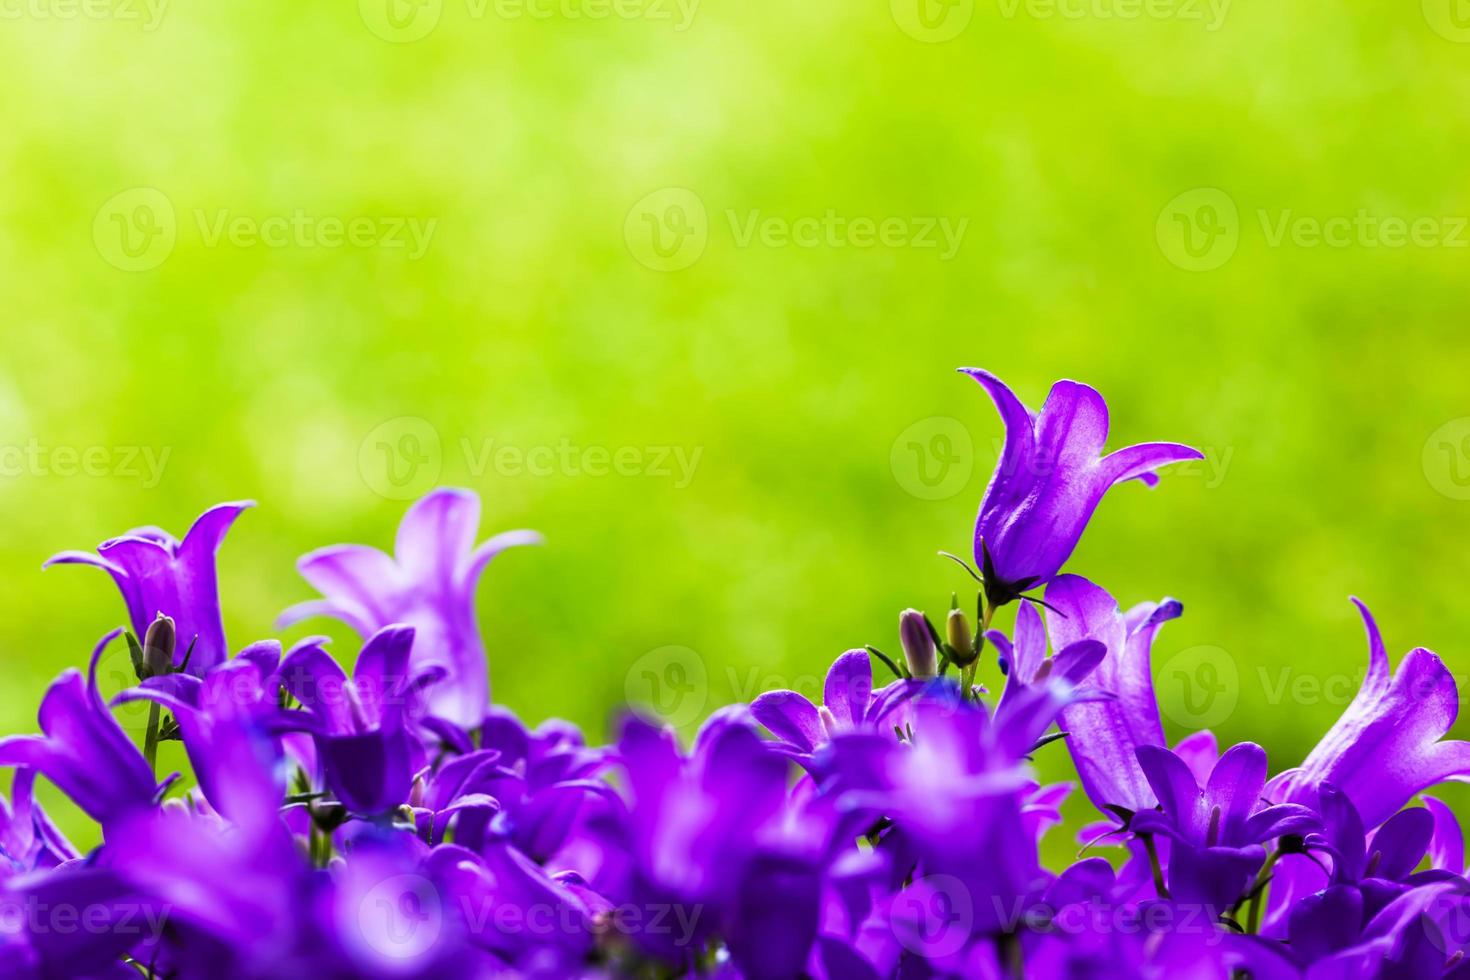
(917, 638)
(957, 635)
(158, 647)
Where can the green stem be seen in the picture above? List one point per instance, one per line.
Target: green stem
(1258, 893)
(1153, 860)
(321, 847)
(150, 739)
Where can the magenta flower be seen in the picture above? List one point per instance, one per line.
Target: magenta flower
(1049, 480)
(429, 584)
(158, 574)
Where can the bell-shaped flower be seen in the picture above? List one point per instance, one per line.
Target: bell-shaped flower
(1387, 745)
(83, 749)
(535, 787)
(1049, 480)
(1366, 873)
(160, 575)
(708, 837)
(429, 584)
(954, 795)
(849, 704)
(1105, 735)
(359, 725)
(1217, 831)
(230, 723)
(28, 839)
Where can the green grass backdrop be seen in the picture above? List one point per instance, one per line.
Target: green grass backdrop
(256, 243)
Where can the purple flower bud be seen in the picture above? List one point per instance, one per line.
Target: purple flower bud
(917, 637)
(158, 647)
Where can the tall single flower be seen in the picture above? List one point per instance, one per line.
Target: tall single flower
(1049, 480)
(1387, 745)
(1105, 735)
(429, 584)
(157, 573)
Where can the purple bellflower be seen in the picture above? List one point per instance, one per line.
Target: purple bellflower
(429, 584)
(359, 725)
(1217, 831)
(230, 723)
(1104, 736)
(849, 703)
(955, 797)
(1050, 478)
(696, 827)
(83, 749)
(158, 574)
(535, 787)
(28, 839)
(1368, 872)
(1387, 745)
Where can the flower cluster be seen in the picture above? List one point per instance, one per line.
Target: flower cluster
(391, 821)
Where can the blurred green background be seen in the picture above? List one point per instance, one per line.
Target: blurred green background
(256, 244)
